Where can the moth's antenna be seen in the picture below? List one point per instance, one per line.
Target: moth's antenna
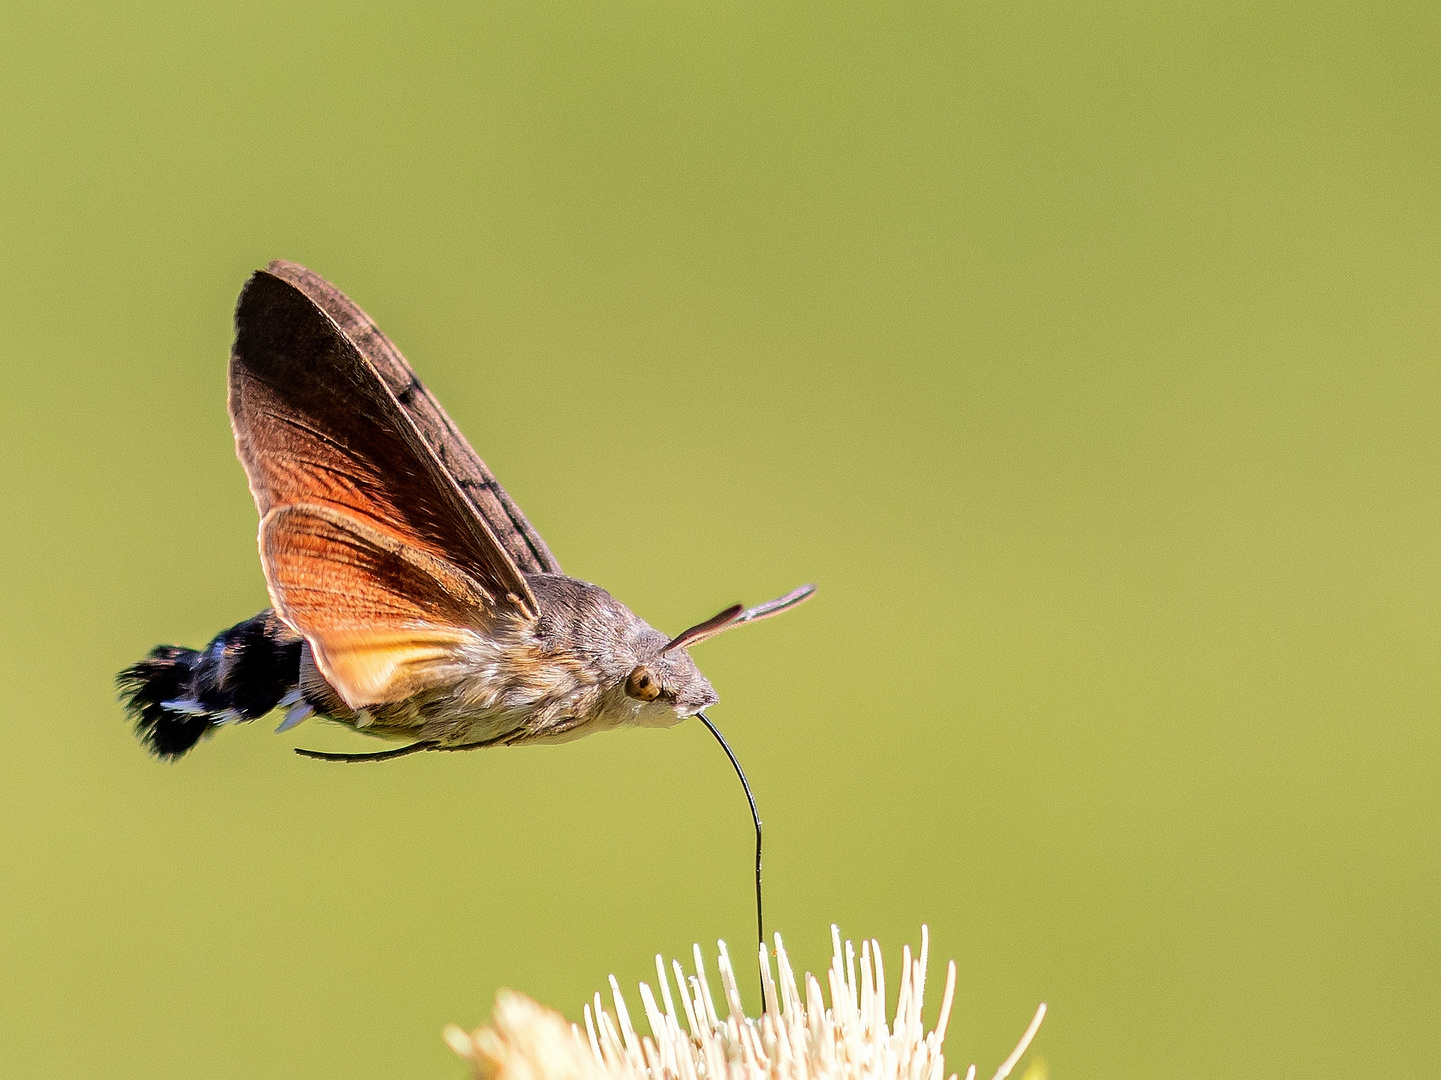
(755, 816)
(735, 615)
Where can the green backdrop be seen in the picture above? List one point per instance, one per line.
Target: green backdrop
(1084, 354)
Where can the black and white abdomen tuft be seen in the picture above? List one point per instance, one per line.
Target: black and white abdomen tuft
(177, 696)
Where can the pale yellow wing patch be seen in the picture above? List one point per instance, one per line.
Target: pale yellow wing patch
(384, 619)
(370, 667)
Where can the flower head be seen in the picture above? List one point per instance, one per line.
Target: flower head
(797, 1036)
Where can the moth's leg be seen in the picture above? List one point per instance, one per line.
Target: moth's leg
(383, 755)
(498, 740)
(561, 729)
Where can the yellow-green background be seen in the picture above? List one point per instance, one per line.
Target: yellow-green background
(1084, 354)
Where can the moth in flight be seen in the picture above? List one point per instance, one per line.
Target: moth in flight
(410, 598)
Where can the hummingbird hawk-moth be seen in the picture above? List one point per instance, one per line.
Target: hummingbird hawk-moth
(410, 597)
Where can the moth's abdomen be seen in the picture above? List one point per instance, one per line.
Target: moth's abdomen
(177, 696)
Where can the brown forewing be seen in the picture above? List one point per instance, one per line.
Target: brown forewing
(520, 540)
(314, 423)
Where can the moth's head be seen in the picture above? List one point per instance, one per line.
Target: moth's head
(645, 677)
(665, 680)
(667, 686)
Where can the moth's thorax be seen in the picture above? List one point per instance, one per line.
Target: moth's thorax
(551, 679)
(584, 630)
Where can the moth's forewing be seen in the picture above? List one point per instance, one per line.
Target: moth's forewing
(384, 618)
(318, 431)
(520, 540)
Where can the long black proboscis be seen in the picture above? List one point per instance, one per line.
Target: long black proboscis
(756, 817)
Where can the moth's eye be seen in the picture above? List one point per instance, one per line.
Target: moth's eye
(642, 685)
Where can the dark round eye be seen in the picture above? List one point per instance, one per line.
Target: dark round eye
(642, 685)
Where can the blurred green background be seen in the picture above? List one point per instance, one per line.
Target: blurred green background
(1084, 354)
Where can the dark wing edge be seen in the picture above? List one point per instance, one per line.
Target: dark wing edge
(475, 480)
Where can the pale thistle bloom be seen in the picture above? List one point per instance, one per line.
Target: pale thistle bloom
(797, 1037)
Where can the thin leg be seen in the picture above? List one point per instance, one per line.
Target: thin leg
(413, 748)
(755, 816)
(383, 755)
(477, 745)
